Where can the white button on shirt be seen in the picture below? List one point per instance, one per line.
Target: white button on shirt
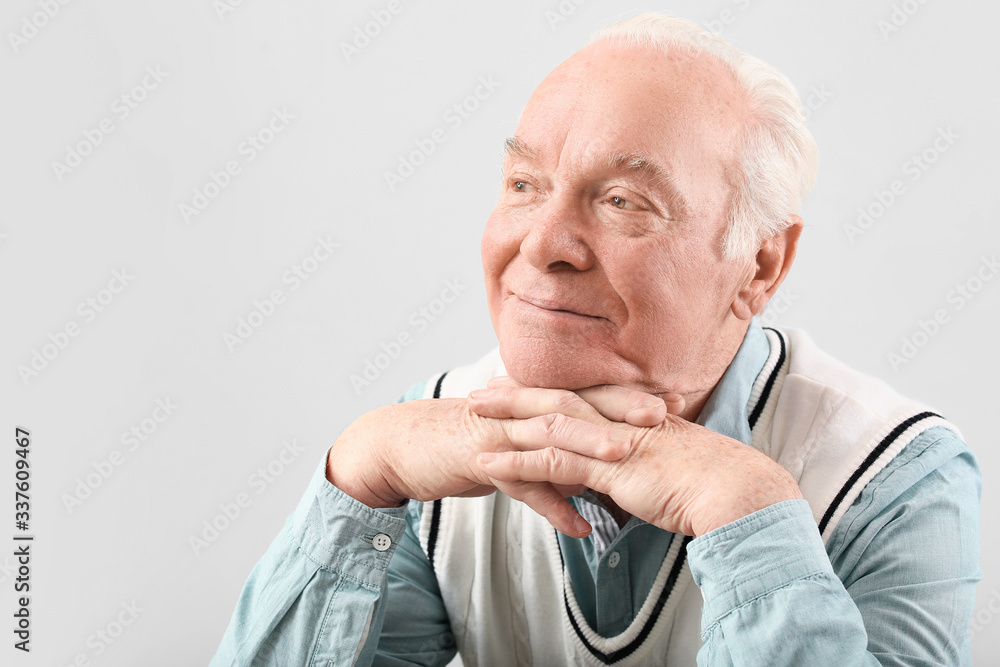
(381, 542)
(613, 559)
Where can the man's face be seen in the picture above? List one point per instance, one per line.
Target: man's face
(603, 258)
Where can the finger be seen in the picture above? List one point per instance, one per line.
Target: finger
(516, 402)
(622, 404)
(607, 443)
(675, 403)
(551, 465)
(549, 503)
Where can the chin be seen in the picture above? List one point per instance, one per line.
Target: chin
(540, 363)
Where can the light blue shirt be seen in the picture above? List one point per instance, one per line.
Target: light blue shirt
(895, 585)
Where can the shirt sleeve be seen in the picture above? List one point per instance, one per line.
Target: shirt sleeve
(411, 637)
(895, 585)
(416, 630)
(320, 593)
(316, 595)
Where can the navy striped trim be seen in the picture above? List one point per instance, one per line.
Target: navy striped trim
(769, 385)
(432, 535)
(867, 464)
(635, 644)
(437, 387)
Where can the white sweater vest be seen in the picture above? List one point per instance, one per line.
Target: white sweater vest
(498, 563)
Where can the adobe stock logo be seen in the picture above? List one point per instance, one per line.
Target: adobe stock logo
(122, 107)
(959, 297)
(562, 12)
(455, 116)
(104, 468)
(419, 321)
(249, 149)
(899, 17)
(101, 639)
(265, 308)
(915, 167)
(363, 35)
(726, 17)
(59, 340)
(30, 26)
(224, 7)
(985, 616)
(230, 511)
(817, 98)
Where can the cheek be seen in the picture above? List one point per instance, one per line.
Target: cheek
(662, 285)
(686, 287)
(497, 248)
(493, 249)
(501, 240)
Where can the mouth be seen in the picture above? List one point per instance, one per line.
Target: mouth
(554, 307)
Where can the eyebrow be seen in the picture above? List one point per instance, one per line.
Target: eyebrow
(631, 162)
(514, 147)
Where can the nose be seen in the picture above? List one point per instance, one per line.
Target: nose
(557, 238)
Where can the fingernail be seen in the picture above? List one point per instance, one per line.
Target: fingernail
(476, 394)
(581, 525)
(486, 458)
(653, 403)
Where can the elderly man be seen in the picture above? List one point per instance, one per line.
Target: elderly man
(640, 474)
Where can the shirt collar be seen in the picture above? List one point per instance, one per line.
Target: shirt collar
(725, 411)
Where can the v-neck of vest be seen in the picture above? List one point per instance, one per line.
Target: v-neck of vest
(609, 650)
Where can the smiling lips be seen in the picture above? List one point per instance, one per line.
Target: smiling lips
(553, 306)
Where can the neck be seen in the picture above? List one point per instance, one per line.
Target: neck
(696, 390)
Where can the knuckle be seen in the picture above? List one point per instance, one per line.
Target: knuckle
(567, 400)
(550, 458)
(553, 424)
(612, 449)
(517, 462)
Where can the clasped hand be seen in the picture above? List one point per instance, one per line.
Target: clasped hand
(665, 470)
(541, 445)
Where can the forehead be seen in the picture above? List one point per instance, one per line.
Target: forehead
(683, 110)
(639, 89)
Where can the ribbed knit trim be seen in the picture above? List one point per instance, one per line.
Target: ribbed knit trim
(888, 447)
(609, 650)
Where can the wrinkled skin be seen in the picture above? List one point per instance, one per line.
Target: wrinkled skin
(616, 312)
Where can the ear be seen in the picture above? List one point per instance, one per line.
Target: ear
(773, 260)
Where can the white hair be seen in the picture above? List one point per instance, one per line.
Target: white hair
(778, 161)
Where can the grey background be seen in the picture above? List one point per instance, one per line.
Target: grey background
(884, 98)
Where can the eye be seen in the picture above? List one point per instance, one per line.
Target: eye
(523, 186)
(623, 204)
